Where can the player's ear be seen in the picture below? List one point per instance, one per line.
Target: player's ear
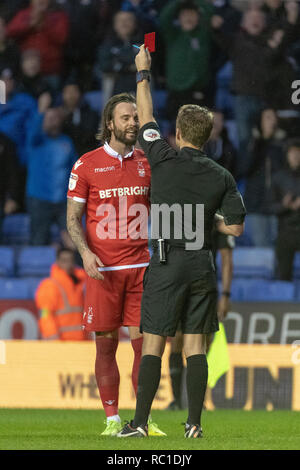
(110, 125)
(178, 134)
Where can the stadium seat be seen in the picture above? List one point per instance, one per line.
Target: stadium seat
(297, 266)
(35, 261)
(33, 283)
(16, 229)
(253, 262)
(251, 290)
(7, 261)
(14, 289)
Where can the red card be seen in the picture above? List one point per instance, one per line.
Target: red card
(150, 42)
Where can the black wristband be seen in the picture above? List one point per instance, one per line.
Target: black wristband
(143, 75)
(226, 293)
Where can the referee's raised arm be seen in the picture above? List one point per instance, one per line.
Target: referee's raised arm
(143, 96)
(155, 147)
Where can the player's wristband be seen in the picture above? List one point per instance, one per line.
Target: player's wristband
(226, 293)
(143, 75)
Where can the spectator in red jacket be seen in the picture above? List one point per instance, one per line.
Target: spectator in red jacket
(46, 30)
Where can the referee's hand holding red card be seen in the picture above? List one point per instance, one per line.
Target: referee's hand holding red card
(143, 59)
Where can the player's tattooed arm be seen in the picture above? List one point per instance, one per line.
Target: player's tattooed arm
(91, 262)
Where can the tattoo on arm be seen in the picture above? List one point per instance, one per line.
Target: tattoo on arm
(74, 215)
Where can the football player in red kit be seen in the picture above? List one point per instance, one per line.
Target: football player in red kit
(111, 185)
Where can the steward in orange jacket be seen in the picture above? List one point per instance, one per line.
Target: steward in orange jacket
(59, 299)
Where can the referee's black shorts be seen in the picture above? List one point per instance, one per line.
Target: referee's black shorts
(184, 290)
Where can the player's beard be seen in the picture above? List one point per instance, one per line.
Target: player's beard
(124, 137)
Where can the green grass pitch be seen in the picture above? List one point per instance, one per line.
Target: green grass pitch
(80, 429)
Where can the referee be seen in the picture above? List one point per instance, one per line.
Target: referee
(180, 283)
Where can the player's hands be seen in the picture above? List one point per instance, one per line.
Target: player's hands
(223, 307)
(143, 59)
(91, 262)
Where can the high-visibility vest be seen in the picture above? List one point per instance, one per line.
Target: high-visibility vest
(60, 302)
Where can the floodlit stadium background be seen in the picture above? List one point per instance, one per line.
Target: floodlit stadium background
(264, 323)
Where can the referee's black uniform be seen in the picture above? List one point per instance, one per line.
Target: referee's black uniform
(185, 287)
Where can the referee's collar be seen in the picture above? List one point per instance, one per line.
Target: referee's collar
(191, 152)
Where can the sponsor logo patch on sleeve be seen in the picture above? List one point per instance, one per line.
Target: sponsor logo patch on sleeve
(150, 135)
(73, 181)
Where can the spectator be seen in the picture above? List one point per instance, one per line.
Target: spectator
(286, 205)
(116, 56)
(9, 52)
(219, 146)
(51, 156)
(265, 159)
(9, 178)
(38, 27)
(59, 299)
(188, 46)
(145, 12)
(15, 116)
(254, 57)
(31, 80)
(81, 122)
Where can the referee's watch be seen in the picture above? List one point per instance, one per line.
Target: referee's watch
(143, 75)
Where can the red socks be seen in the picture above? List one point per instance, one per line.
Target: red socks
(137, 348)
(107, 374)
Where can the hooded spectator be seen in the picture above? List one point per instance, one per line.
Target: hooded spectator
(185, 29)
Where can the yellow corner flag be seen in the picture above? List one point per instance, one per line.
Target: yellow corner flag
(218, 357)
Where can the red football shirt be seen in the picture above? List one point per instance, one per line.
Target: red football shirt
(116, 191)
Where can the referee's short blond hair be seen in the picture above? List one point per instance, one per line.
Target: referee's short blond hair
(195, 124)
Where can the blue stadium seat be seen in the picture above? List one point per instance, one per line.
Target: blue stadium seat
(253, 262)
(251, 290)
(7, 261)
(33, 283)
(297, 266)
(14, 289)
(16, 229)
(35, 261)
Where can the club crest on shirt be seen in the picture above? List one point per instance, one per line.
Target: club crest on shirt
(150, 135)
(73, 181)
(141, 170)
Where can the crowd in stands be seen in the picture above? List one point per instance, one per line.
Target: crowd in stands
(238, 57)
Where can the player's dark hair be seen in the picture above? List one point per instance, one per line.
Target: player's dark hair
(195, 124)
(104, 133)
